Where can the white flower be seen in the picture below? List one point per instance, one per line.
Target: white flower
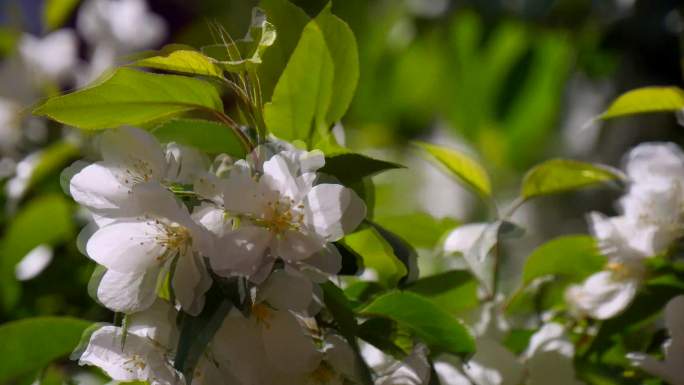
(50, 58)
(547, 359)
(147, 352)
(671, 369)
(412, 370)
(131, 156)
(163, 237)
(126, 25)
(279, 213)
(603, 295)
(34, 262)
(271, 344)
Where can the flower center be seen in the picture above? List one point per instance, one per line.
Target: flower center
(281, 216)
(262, 313)
(323, 374)
(623, 270)
(174, 237)
(140, 171)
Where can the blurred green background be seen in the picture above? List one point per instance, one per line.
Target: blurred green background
(510, 82)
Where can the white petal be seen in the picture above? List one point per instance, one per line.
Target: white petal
(334, 210)
(413, 370)
(213, 218)
(601, 296)
(293, 245)
(241, 250)
(321, 265)
(649, 161)
(449, 375)
(463, 238)
(140, 359)
(127, 246)
(33, 263)
(286, 291)
(128, 292)
(191, 280)
(157, 323)
(279, 175)
(493, 364)
(135, 150)
(287, 347)
(95, 186)
(184, 164)
(546, 335)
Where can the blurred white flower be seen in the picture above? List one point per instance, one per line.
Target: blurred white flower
(33, 263)
(51, 58)
(671, 369)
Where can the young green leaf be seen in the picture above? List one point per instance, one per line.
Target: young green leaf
(646, 100)
(245, 54)
(342, 46)
(436, 327)
(351, 167)
(32, 343)
(183, 61)
(420, 229)
(205, 135)
(454, 291)
(378, 255)
(289, 20)
(571, 256)
(56, 12)
(302, 96)
(130, 97)
(461, 166)
(43, 221)
(559, 175)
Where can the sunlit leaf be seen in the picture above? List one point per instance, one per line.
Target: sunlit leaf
(57, 12)
(289, 20)
(302, 96)
(378, 255)
(646, 100)
(559, 175)
(571, 256)
(205, 135)
(183, 61)
(32, 343)
(461, 166)
(436, 327)
(52, 159)
(420, 229)
(245, 54)
(130, 97)
(342, 46)
(453, 291)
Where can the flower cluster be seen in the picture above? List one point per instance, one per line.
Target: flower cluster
(652, 218)
(168, 225)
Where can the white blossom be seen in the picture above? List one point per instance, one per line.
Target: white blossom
(50, 58)
(671, 369)
(279, 212)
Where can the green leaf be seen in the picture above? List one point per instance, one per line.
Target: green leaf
(461, 166)
(56, 12)
(453, 291)
(342, 47)
(351, 167)
(571, 256)
(646, 100)
(289, 20)
(183, 61)
(388, 336)
(340, 308)
(245, 54)
(420, 229)
(302, 96)
(130, 97)
(196, 332)
(401, 249)
(45, 220)
(378, 255)
(32, 343)
(559, 175)
(204, 135)
(436, 327)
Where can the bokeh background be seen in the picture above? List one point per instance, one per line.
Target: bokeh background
(510, 82)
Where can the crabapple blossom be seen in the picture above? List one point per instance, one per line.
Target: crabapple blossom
(671, 369)
(279, 212)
